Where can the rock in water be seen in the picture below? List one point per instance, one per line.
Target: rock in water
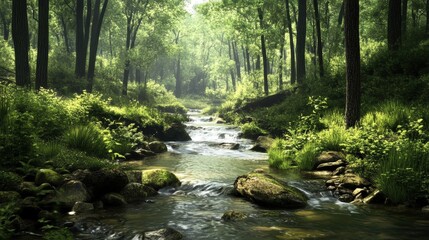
(157, 147)
(159, 178)
(71, 192)
(163, 234)
(232, 215)
(268, 191)
(262, 144)
(135, 192)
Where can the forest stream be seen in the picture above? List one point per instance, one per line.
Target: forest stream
(207, 172)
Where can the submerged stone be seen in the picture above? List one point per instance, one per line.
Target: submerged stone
(266, 190)
(159, 178)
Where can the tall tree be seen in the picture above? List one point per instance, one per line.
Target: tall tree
(353, 82)
(83, 24)
(5, 18)
(319, 37)
(394, 25)
(292, 46)
(300, 41)
(97, 21)
(177, 70)
(21, 42)
(404, 18)
(134, 11)
(42, 45)
(264, 50)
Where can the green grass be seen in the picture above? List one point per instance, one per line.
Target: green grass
(86, 138)
(306, 157)
(252, 131)
(279, 156)
(403, 174)
(332, 139)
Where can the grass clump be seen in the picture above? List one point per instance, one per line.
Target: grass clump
(252, 131)
(280, 155)
(9, 181)
(86, 138)
(306, 157)
(333, 139)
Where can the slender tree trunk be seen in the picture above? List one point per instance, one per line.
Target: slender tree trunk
(6, 24)
(264, 51)
(394, 25)
(21, 42)
(95, 35)
(65, 34)
(404, 19)
(82, 37)
(281, 51)
(351, 32)
(237, 60)
(42, 45)
(178, 75)
(427, 17)
(319, 38)
(138, 76)
(231, 70)
(244, 58)
(249, 67)
(341, 15)
(300, 41)
(291, 45)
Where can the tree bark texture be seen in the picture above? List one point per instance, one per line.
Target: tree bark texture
(264, 51)
(291, 45)
(300, 41)
(95, 35)
(404, 18)
(353, 83)
(42, 45)
(231, 70)
(319, 38)
(21, 42)
(394, 25)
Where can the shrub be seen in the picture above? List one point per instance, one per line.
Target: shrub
(9, 181)
(121, 138)
(7, 213)
(73, 160)
(280, 155)
(86, 138)
(306, 157)
(387, 116)
(333, 139)
(252, 131)
(402, 175)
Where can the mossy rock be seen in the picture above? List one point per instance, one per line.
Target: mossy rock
(104, 181)
(268, 191)
(135, 192)
(49, 176)
(159, 178)
(157, 147)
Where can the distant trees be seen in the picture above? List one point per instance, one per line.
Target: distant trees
(21, 42)
(353, 83)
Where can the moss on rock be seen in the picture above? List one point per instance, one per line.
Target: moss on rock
(159, 178)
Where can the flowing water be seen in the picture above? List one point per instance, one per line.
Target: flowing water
(208, 171)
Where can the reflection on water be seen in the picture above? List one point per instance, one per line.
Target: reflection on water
(207, 173)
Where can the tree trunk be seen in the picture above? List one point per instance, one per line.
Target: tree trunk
(427, 17)
(95, 35)
(291, 45)
(281, 51)
(81, 37)
(237, 60)
(65, 33)
(404, 18)
(264, 51)
(178, 75)
(138, 76)
(300, 41)
(42, 45)
(394, 25)
(319, 38)
(231, 70)
(6, 24)
(21, 42)
(244, 58)
(351, 32)
(249, 67)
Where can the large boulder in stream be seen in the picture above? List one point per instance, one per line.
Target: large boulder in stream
(163, 234)
(265, 190)
(263, 143)
(103, 181)
(176, 132)
(159, 178)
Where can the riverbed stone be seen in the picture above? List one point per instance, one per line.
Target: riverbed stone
(266, 190)
(135, 192)
(159, 178)
(158, 147)
(329, 156)
(230, 146)
(375, 197)
(358, 191)
(232, 215)
(71, 192)
(177, 132)
(339, 171)
(346, 198)
(163, 234)
(48, 176)
(353, 181)
(82, 207)
(134, 176)
(330, 166)
(105, 180)
(263, 143)
(113, 200)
